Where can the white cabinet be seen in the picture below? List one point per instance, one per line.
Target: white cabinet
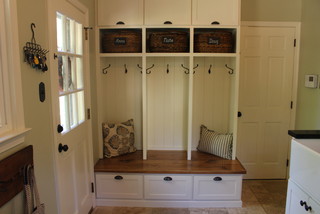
(222, 12)
(303, 189)
(125, 186)
(121, 12)
(153, 84)
(168, 190)
(299, 202)
(177, 12)
(217, 187)
(167, 187)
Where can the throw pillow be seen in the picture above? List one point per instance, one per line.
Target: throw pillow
(118, 138)
(215, 143)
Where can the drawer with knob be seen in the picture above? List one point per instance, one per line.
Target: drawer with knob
(168, 186)
(217, 187)
(125, 186)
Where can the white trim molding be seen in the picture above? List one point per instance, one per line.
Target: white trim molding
(16, 133)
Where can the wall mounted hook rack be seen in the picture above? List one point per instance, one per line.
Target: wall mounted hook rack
(34, 54)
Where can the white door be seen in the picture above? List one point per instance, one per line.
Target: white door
(267, 59)
(70, 90)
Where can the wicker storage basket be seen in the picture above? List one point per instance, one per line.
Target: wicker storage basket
(122, 41)
(170, 41)
(213, 42)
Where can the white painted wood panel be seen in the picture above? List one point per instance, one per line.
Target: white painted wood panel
(212, 94)
(210, 187)
(121, 93)
(156, 187)
(178, 12)
(111, 12)
(226, 12)
(167, 103)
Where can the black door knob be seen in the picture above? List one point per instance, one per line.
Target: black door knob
(59, 128)
(239, 114)
(63, 148)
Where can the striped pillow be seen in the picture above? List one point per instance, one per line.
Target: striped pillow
(215, 143)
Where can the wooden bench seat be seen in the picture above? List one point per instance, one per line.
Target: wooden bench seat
(174, 162)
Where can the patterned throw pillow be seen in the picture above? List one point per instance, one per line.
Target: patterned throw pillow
(118, 138)
(215, 143)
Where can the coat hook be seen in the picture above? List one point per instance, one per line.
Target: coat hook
(33, 40)
(147, 70)
(139, 67)
(125, 68)
(104, 71)
(195, 68)
(209, 71)
(167, 68)
(230, 69)
(186, 69)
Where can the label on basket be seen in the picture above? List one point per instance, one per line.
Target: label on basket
(167, 40)
(213, 41)
(120, 41)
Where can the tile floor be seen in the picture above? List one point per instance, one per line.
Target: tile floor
(258, 197)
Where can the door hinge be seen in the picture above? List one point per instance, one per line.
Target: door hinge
(294, 42)
(287, 162)
(92, 187)
(88, 114)
(291, 104)
(86, 32)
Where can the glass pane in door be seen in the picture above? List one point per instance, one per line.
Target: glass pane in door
(70, 72)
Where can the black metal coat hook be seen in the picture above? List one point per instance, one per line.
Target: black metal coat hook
(139, 67)
(105, 70)
(125, 69)
(33, 40)
(209, 71)
(187, 71)
(230, 69)
(147, 70)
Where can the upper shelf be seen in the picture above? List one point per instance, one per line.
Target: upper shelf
(164, 41)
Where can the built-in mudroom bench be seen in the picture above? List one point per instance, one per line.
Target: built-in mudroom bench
(168, 179)
(167, 88)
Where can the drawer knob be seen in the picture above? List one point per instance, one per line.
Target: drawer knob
(217, 179)
(118, 177)
(302, 203)
(120, 23)
(215, 23)
(307, 208)
(167, 23)
(167, 178)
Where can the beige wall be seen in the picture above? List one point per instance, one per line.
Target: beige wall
(308, 109)
(271, 10)
(37, 114)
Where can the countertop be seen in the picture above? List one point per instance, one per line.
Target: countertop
(305, 134)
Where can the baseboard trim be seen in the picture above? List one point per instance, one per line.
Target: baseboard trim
(162, 203)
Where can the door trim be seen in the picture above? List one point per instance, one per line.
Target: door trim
(297, 27)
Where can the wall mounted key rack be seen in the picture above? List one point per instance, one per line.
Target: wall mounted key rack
(34, 54)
